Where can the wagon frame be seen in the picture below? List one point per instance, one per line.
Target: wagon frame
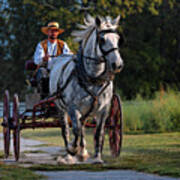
(41, 111)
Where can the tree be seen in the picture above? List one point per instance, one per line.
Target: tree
(151, 52)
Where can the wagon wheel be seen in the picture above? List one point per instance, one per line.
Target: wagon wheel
(16, 132)
(115, 126)
(6, 128)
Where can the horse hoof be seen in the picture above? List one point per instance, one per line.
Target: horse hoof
(97, 161)
(83, 155)
(72, 150)
(61, 160)
(71, 159)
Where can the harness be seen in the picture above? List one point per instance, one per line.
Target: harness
(102, 59)
(84, 79)
(98, 41)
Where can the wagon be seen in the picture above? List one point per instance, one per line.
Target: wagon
(43, 113)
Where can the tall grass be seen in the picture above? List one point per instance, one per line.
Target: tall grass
(162, 114)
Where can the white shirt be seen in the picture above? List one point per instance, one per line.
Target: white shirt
(52, 51)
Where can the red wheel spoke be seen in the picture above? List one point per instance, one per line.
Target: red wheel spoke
(115, 122)
(16, 132)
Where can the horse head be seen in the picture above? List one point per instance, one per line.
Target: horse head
(100, 44)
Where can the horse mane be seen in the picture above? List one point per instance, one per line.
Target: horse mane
(90, 25)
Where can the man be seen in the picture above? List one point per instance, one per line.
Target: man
(46, 50)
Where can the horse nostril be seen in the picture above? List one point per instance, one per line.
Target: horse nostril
(115, 67)
(121, 66)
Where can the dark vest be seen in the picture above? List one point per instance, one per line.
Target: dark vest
(60, 45)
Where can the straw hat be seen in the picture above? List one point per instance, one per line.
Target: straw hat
(51, 25)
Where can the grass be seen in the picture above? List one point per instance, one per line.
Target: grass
(157, 153)
(9, 172)
(152, 153)
(161, 114)
(50, 136)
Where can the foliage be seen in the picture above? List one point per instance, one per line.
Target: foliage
(151, 28)
(161, 114)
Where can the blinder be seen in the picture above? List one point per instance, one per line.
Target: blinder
(101, 41)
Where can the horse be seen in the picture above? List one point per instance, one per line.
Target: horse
(84, 82)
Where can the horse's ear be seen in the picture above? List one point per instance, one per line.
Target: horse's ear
(98, 21)
(89, 18)
(116, 20)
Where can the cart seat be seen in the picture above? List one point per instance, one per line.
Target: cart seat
(30, 65)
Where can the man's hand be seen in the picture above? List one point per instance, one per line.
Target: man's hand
(46, 57)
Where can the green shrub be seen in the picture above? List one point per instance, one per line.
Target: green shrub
(158, 115)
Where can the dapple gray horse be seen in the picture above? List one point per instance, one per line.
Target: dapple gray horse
(85, 82)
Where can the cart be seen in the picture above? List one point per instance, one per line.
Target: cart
(44, 114)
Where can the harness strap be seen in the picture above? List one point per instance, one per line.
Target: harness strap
(60, 89)
(105, 53)
(100, 59)
(81, 70)
(95, 97)
(107, 31)
(95, 100)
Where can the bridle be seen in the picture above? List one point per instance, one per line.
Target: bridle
(102, 59)
(82, 74)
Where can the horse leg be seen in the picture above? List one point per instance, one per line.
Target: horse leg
(76, 126)
(99, 136)
(65, 130)
(83, 154)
